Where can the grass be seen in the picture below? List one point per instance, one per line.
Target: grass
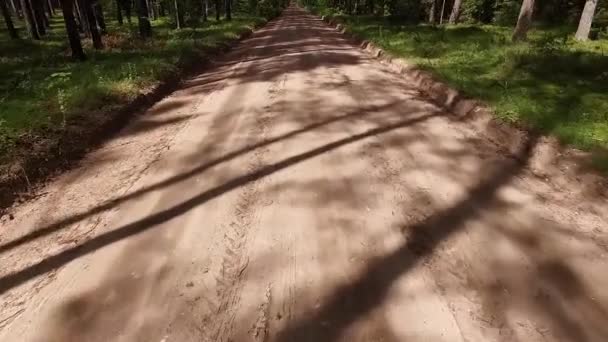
(42, 88)
(551, 83)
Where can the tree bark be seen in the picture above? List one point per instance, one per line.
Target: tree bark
(50, 8)
(30, 22)
(432, 11)
(179, 15)
(82, 17)
(7, 19)
(205, 4)
(455, 15)
(15, 8)
(442, 13)
(39, 17)
(118, 12)
(71, 29)
(151, 9)
(524, 21)
(93, 29)
(101, 20)
(228, 5)
(145, 29)
(584, 25)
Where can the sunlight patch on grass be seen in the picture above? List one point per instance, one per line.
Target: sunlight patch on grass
(42, 87)
(551, 83)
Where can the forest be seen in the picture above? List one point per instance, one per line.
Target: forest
(542, 65)
(68, 63)
(539, 64)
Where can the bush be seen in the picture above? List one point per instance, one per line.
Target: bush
(507, 12)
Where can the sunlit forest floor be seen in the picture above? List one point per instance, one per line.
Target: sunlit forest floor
(550, 83)
(41, 87)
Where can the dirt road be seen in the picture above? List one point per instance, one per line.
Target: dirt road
(301, 191)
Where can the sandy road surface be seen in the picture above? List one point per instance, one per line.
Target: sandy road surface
(300, 191)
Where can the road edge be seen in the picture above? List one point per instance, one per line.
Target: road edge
(28, 173)
(552, 161)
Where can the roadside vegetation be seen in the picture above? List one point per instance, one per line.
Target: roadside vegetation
(64, 62)
(551, 77)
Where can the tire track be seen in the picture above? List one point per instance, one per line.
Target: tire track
(235, 259)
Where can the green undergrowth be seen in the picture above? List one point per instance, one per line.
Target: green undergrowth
(550, 83)
(41, 88)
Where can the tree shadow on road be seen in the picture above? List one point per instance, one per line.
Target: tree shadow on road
(352, 301)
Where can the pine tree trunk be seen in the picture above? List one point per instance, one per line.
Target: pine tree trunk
(179, 16)
(82, 17)
(101, 20)
(15, 8)
(432, 11)
(145, 29)
(205, 9)
(19, 7)
(455, 15)
(7, 19)
(46, 15)
(118, 12)
(524, 21)
(93, 29)
(39, 17)
(150, 5)
(50, 8)
(71, 29)
(228, 5)
(442, 13)
(30, 22)
(584, 25)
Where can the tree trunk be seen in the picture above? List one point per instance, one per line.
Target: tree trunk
(101, 20)
(228, 5)
(118, 12)
(76, 12)
(82, 17)
(524, 21)
(455, 15)
(71, 29)
(442, 13)
(217, 10)
(205, 4)
(584, 25)
(30, 22)
(15, 8)
(150, 5)
(95, 35)
(432, 11)
(145, 29)
(179, 16)
(7, 19)
(39, 17)
(50, 8)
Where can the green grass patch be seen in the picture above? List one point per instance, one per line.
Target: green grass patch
(41, 87)
(550, 83)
